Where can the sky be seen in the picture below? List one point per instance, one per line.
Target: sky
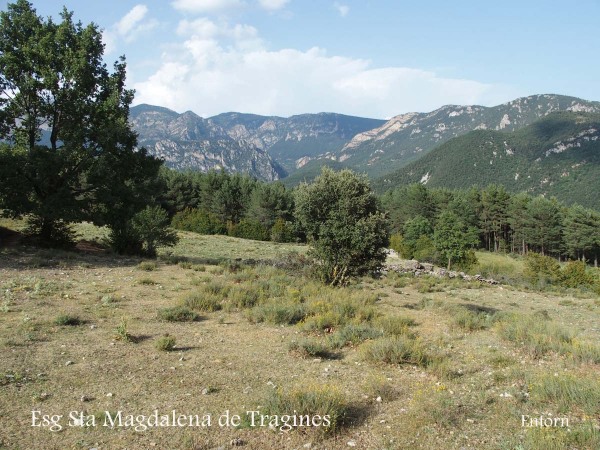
(369, 58)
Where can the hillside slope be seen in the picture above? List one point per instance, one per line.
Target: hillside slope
(408, 137)
(558, 155)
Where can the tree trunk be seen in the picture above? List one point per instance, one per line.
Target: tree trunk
(449, 261)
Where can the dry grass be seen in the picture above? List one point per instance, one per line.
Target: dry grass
(461, 386)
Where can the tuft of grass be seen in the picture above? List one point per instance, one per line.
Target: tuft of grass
(353, 334)
(585, 435)
(310, 348)
(277, 313)
(397, 350)
(147, 266)
(201, 301)
(468, 320)
(166, 343)
(567, 392)
(537, 336)
(147, 282)
(394, 325)
(310, 400)
(67, 320)
(177, 314)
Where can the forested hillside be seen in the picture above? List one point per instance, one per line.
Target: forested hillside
(556, 156)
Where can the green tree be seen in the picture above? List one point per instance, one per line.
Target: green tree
(453, 238)
(413, 230)
(343, 221)
(544, 229)
(151, 227)
(494, 215)
(269, 202)
(65, 119)
(580, 227)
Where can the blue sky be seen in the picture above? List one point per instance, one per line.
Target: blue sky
(373, 58)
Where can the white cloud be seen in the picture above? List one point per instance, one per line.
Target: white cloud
(205, 6)
(129, 27)
(273, 5)
(221, 68)
(342, 9)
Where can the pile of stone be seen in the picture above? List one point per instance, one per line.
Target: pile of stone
(417, 269)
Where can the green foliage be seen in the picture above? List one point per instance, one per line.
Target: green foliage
(203, 301)
(396, 350)
(150, 227)
(541, 270)
(67, 320)
(249, 229)
(453, 238)
(309, 399)
(575, 275)
(341, 217)
(177, 314)
(166, 343)
(70, 153)
(198, 221)
(282, 231)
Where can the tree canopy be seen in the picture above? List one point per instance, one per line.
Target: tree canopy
(69, 153)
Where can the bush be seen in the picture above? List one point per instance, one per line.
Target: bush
(352, 334)
(151, 226)
(282, 231)
(199, 221)
(202, 301)
(249, 229)
(310, 348)
(148, 266)
(541, 270)
(177, 314)
(575, 275)
(394, 325)
(396, 350)
(67, 320)
(166, 343)
(309, 400)
(277, 313)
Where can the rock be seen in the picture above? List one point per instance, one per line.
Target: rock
(237, 442)
(205, 391)
(378, 399)
(86, 398)
(69, 363)
(110, 394)
(352, 443)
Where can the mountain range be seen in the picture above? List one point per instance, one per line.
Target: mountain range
(292, 149)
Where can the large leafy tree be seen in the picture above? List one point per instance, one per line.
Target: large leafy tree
(70, 152)
(454, 238)
(343, 221)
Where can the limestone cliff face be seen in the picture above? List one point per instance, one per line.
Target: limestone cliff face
(407, 137)
(264, 147)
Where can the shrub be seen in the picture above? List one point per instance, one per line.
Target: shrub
(396, 350)
(199, 221)
(468, 320)
(310, 347)
(148, 266)
(541, 270)
(352, 334)
(309, 400)
(282, 231)
(249, 229)
(277, 313)
(166, 343)
(575, 275)
(121, 332)
(394, 325)
(67, 320)
(151, 226)
(177, 314)
(202, 301)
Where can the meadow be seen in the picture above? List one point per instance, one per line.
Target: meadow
(221, 324)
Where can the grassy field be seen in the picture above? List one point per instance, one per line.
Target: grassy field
(395, 362)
